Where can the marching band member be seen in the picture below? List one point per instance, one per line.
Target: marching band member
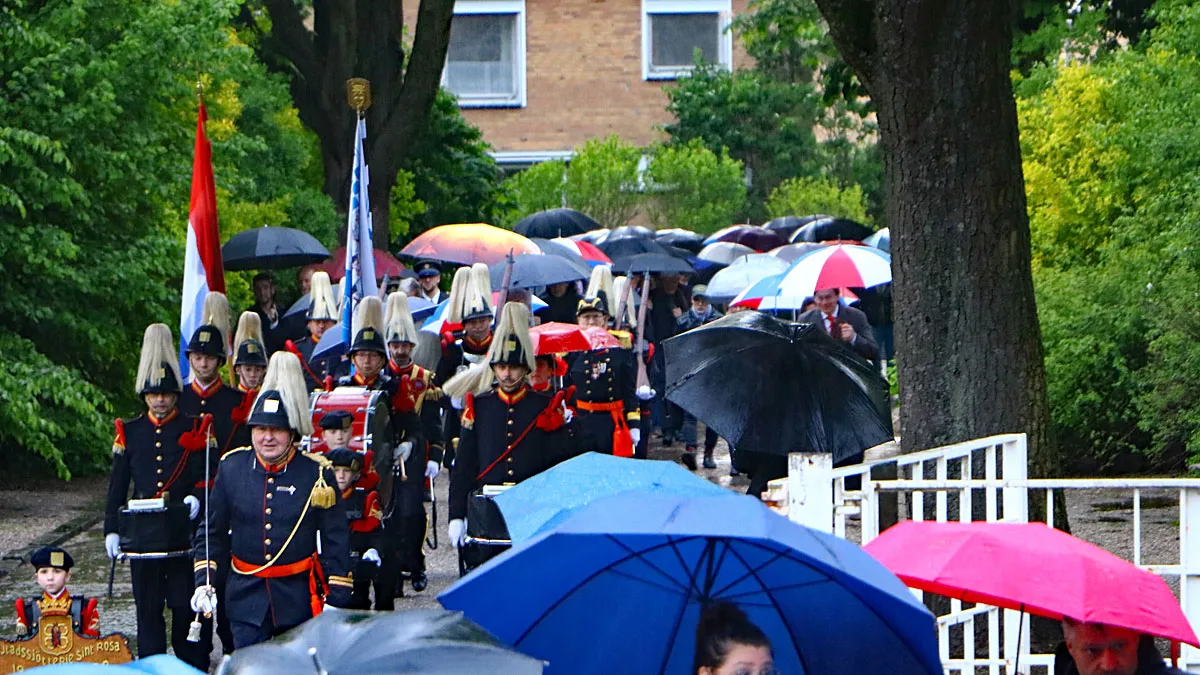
(206, 353)
(471, 306)
(322, 315)
(605, 381)
(161, 453)
(364, 518)
(249, 366)
(268, 508)
(416, 395)
(509, 431)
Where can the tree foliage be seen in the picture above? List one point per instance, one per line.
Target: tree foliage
(818, 195)
(694, 188)
(97, 118)
(1113, 158)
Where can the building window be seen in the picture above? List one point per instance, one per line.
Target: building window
(485, 61)
(674, 30)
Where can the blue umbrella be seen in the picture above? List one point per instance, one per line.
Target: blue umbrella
(331, 346)
(549, 498)
(620, 585)
(882, 240)
(160, 664)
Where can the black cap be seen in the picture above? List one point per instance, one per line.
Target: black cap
(167, 384)
(428, 268)
(269, 411)
(251, 353)
(51, 556)
(369, 340)
(337, 419)
(594, 303)
(207, 340)
(345, 457)
(511, 353)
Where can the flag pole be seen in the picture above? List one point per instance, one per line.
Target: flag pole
(358, 227)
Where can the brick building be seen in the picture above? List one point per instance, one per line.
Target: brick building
(540, 77)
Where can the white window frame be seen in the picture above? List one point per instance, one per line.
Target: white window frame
(723, 8)
(517, 7)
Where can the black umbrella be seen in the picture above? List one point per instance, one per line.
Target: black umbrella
(630, 232)
(680, 238)
(414, 641)
(771, 386)
(531, 271)
(654, 263)
(555, 223)
(630, 246)
(272, 248)
(832, 229)
(789, 224)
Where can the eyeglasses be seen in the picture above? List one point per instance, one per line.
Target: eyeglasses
(769, 670)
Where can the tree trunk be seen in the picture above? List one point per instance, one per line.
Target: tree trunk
(360, 38)
(967, 337)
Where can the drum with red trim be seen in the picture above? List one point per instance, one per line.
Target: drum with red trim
(371, 428)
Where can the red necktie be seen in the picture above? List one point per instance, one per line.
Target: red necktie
(831, 322)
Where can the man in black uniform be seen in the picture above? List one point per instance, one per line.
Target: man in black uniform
(322, 315)
(510, 432)
(473, 310)
(207, 393)
(416, 396)
(268, 508)
(162, 454)
(369, 356)
(429, 277)
(605, 381)
(250, 367)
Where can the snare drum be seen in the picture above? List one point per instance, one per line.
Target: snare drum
(164, 532)
(371, 428)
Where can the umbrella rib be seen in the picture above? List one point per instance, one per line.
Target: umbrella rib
(687, 597)
(774, 605)
(632, 577)
(753, 571)
(789, 587)
(640, 556)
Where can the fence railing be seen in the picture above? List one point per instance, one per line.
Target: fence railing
(986, 480)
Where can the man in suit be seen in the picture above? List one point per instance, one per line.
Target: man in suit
(843, 323)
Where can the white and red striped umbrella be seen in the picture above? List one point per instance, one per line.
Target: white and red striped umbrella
(587, 250)
(841, 266)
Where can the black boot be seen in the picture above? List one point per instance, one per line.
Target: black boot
(689, 458)
(419, 581)
(709, 462)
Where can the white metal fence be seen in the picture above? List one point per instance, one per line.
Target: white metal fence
(986, 479)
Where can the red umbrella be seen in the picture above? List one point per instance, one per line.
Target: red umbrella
(385, 264)
(469, 243)
(1032, 568)
(556, 338)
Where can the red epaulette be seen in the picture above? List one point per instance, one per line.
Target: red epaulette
(119, 442)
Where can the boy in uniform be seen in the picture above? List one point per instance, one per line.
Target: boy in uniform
(365, 519)
(53, 573)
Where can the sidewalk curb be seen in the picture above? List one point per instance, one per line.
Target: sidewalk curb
(93, 513)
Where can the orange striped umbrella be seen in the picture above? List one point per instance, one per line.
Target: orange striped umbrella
(469, 243)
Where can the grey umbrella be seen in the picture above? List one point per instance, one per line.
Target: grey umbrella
(428, 641)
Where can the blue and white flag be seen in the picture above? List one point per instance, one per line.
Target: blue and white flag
(360, 251)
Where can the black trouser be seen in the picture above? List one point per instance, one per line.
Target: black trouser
(167, 583)
(246, 633)
(223, 630)
(595, 431)
(365, 572)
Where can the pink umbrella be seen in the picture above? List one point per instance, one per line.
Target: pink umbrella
(385, 265)
(1031, 568)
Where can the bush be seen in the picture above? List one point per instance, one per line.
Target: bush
(694, 188)
(602, 180)
(538, 188)
(799, 196)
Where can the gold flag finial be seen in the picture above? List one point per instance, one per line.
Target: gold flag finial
(358, 93)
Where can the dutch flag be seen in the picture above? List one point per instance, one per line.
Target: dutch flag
(202, 269)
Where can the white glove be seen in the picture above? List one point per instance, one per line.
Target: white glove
(331, 608)
(457, 402)
(458, 532)
(645, 393)
(568, 414)
(193, 506)
(403, 451)
(636, 435)
(112, 545)
(432, 468)
(204, 600)
(372, 556)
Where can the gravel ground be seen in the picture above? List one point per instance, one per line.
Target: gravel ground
(33, 516)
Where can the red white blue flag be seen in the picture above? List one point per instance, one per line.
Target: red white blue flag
(202, 269)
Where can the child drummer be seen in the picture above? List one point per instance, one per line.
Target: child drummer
(337, 430)
(53, 573)
(365, 518)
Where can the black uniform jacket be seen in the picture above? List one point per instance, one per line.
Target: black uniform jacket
(492, 423)
(254, 510)
(147, 454)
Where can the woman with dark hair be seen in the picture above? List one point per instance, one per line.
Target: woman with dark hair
(727, 643)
